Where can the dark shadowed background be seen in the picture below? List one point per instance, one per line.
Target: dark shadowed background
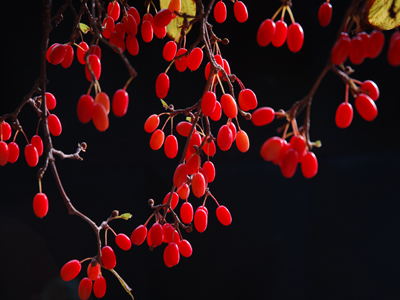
(335, 236)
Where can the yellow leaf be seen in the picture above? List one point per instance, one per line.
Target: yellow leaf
(173, 28)
(383, 14)
(84, 28)
(164, 103)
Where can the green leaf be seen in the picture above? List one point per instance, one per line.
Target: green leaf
(125, 216)
(189, 119)
(164, 103)
(123, 283)
(173, 28)
(318, 144)
(383, 14)
(84, 28)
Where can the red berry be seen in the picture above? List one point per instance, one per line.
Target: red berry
(69, 57)
(280, 34)
(108, 27)
(208, 166)
(209, 148)
(295, 37)
(344, 115)
(31, 155)
(169, 50)
(108, 257)
(99, 287)
(309, 165)
(5, 131)
(102, 98)
(220, 12)
(49, 51)
(272, 148)
(54, 125)
(50, 101)
(120, 103)
(376, 41)
(160, 32)
(57, 54)
(123, 241)
(224, 138)
(117, 41)
(85, 108)
(129, 22)
(113, 10)
(263, 116)
(340, 50)
(371, 88)
(134, 12)
(325, 14)
(247, 99)
(265, 32)
(93, 272)
(195, 58)
(200, 220)
(229, 106)
(132, 45)
(217, 113)
(70, 270)
(85, 288)
(289, 163)
(151, 123)
(298, 143)
(208, 103)
(94, 65)
(194, 141)
(184, 128)
(171, 254)
(81, 52)
(4, 153)
(242, 141)
(157, 139)
(156, 234)
(120, 29)
(13, 152)
(240, 11)
(223, 215)
(356, 50)
(193, 164)
(139, 235)
(198, 184)
(185, 248)
(181, 63)
(38, 143)
(186, 212)
(174, 200)
(163, 17)
(366, 107)
(162, 85)
(180, 175)
(147, 31)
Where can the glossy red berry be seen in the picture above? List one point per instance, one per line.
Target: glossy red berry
(50, 101)
(57, 54)
(156, 234)
(40, 205)
(356, 50)
(195, 58)
(366, 107)
(151, 123)
(123, 241)
(289, 163)
(208, 166)
(13, 152)
(171, 146)
(208, 103)
(169, 50)
(295, 37)
(95, 65)
(265, 32)
(5, 131)
(217, 113)
(280, 34)
(103, 99)
(180, 175)
(186, 212)
(85, 108)
(247, 99)
(69, 57)
(132, 45)
(113, 10)
(54, 125)
(371, 88)
(93, 272)
(108, 257)
(162, 85)
(181, 62)
(81, 52)
(220, 12)
(120, 103)
(242, 141)
(171, 254)
(198, 184)
(147, 31)
(130, 26)
(271, 148)
(38, 143)
(340, 50)
(4, 153)
(185, 248)
(223, 215)
(263, 116)
(229, 106)
(240, 11)
(376, 41)
(70, 270)
(99, 287)
(344, 115)
(200, 220)
(100, 117)
(85, 288)
(224, 138)
(163, 17)
(139, 235)
(157, 139)
(31, 155)
(309, 165)
(325, 14)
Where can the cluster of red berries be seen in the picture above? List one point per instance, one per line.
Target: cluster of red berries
(9, 153)
(361, 46)
(239, 10)
(94, 280)
(368, 93)
(278, 32)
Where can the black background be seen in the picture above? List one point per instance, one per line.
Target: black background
(335, 236)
